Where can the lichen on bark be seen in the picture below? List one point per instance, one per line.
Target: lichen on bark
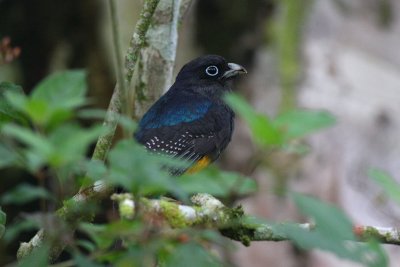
(157, 58)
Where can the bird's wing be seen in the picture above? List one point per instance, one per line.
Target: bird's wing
(172, 110)
(204, 136)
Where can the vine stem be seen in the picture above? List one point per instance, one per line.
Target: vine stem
(124, 98)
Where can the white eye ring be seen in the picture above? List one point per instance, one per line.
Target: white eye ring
(212, 70)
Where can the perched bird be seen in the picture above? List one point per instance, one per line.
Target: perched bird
(191, 121)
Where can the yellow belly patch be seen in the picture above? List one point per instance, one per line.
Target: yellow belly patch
(199, 165)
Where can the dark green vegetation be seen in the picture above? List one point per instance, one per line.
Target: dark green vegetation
(45, 138)
(42, 136)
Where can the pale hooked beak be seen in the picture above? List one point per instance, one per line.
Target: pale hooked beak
(234, 70)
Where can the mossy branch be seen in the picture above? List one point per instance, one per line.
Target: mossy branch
(156, 61)
(209, 212)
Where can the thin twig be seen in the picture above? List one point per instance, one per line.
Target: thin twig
(138, 39)
(124, 97)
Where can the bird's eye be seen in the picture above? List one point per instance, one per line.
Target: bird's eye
(212, 70)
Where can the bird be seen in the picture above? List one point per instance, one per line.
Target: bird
(191, 121)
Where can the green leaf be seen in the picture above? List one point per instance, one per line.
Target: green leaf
(84, 261)
(38, 142)
(97, 233)
(9, 112)
(190, 254)
(24, 193)
(333, 233)
(39, 257)
(66, 144)
(70, 143)
(299, 123)
(15, 228)
(391, 186)
(287, 126)
(328, 218)
(369, 254)
(8, 157)
(10, 87)
(217, 183)
(86, 245)
(40, 111)
(127, 123)
(3, 220)
(38, 147)
(15, 99)
(261, 126)
(52, 100)
(139, 171)
(96, 170)
(104, 235)
(65, 89)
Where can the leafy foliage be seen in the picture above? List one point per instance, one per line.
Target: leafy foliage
(55, 140)
(140, 174)
(217, 183)
(24, 193)
(41, 135)
(190, 254)
(299, 123)
(285, 127)
(389, 185)
(17, 227)
(264, 132)
(37, 258)
(7, 111)
(333, 233)
(53, 100)
(8, 157)
(334, 230)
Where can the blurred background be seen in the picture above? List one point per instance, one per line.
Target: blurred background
(336, 55)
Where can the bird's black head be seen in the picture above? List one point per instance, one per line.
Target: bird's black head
(210, 68)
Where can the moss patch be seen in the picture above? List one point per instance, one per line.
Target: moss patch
(173, 215)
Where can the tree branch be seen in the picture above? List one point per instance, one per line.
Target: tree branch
(209, 212)
(156, 61)
(386, 235)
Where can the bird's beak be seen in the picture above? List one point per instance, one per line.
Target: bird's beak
(234, 70)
